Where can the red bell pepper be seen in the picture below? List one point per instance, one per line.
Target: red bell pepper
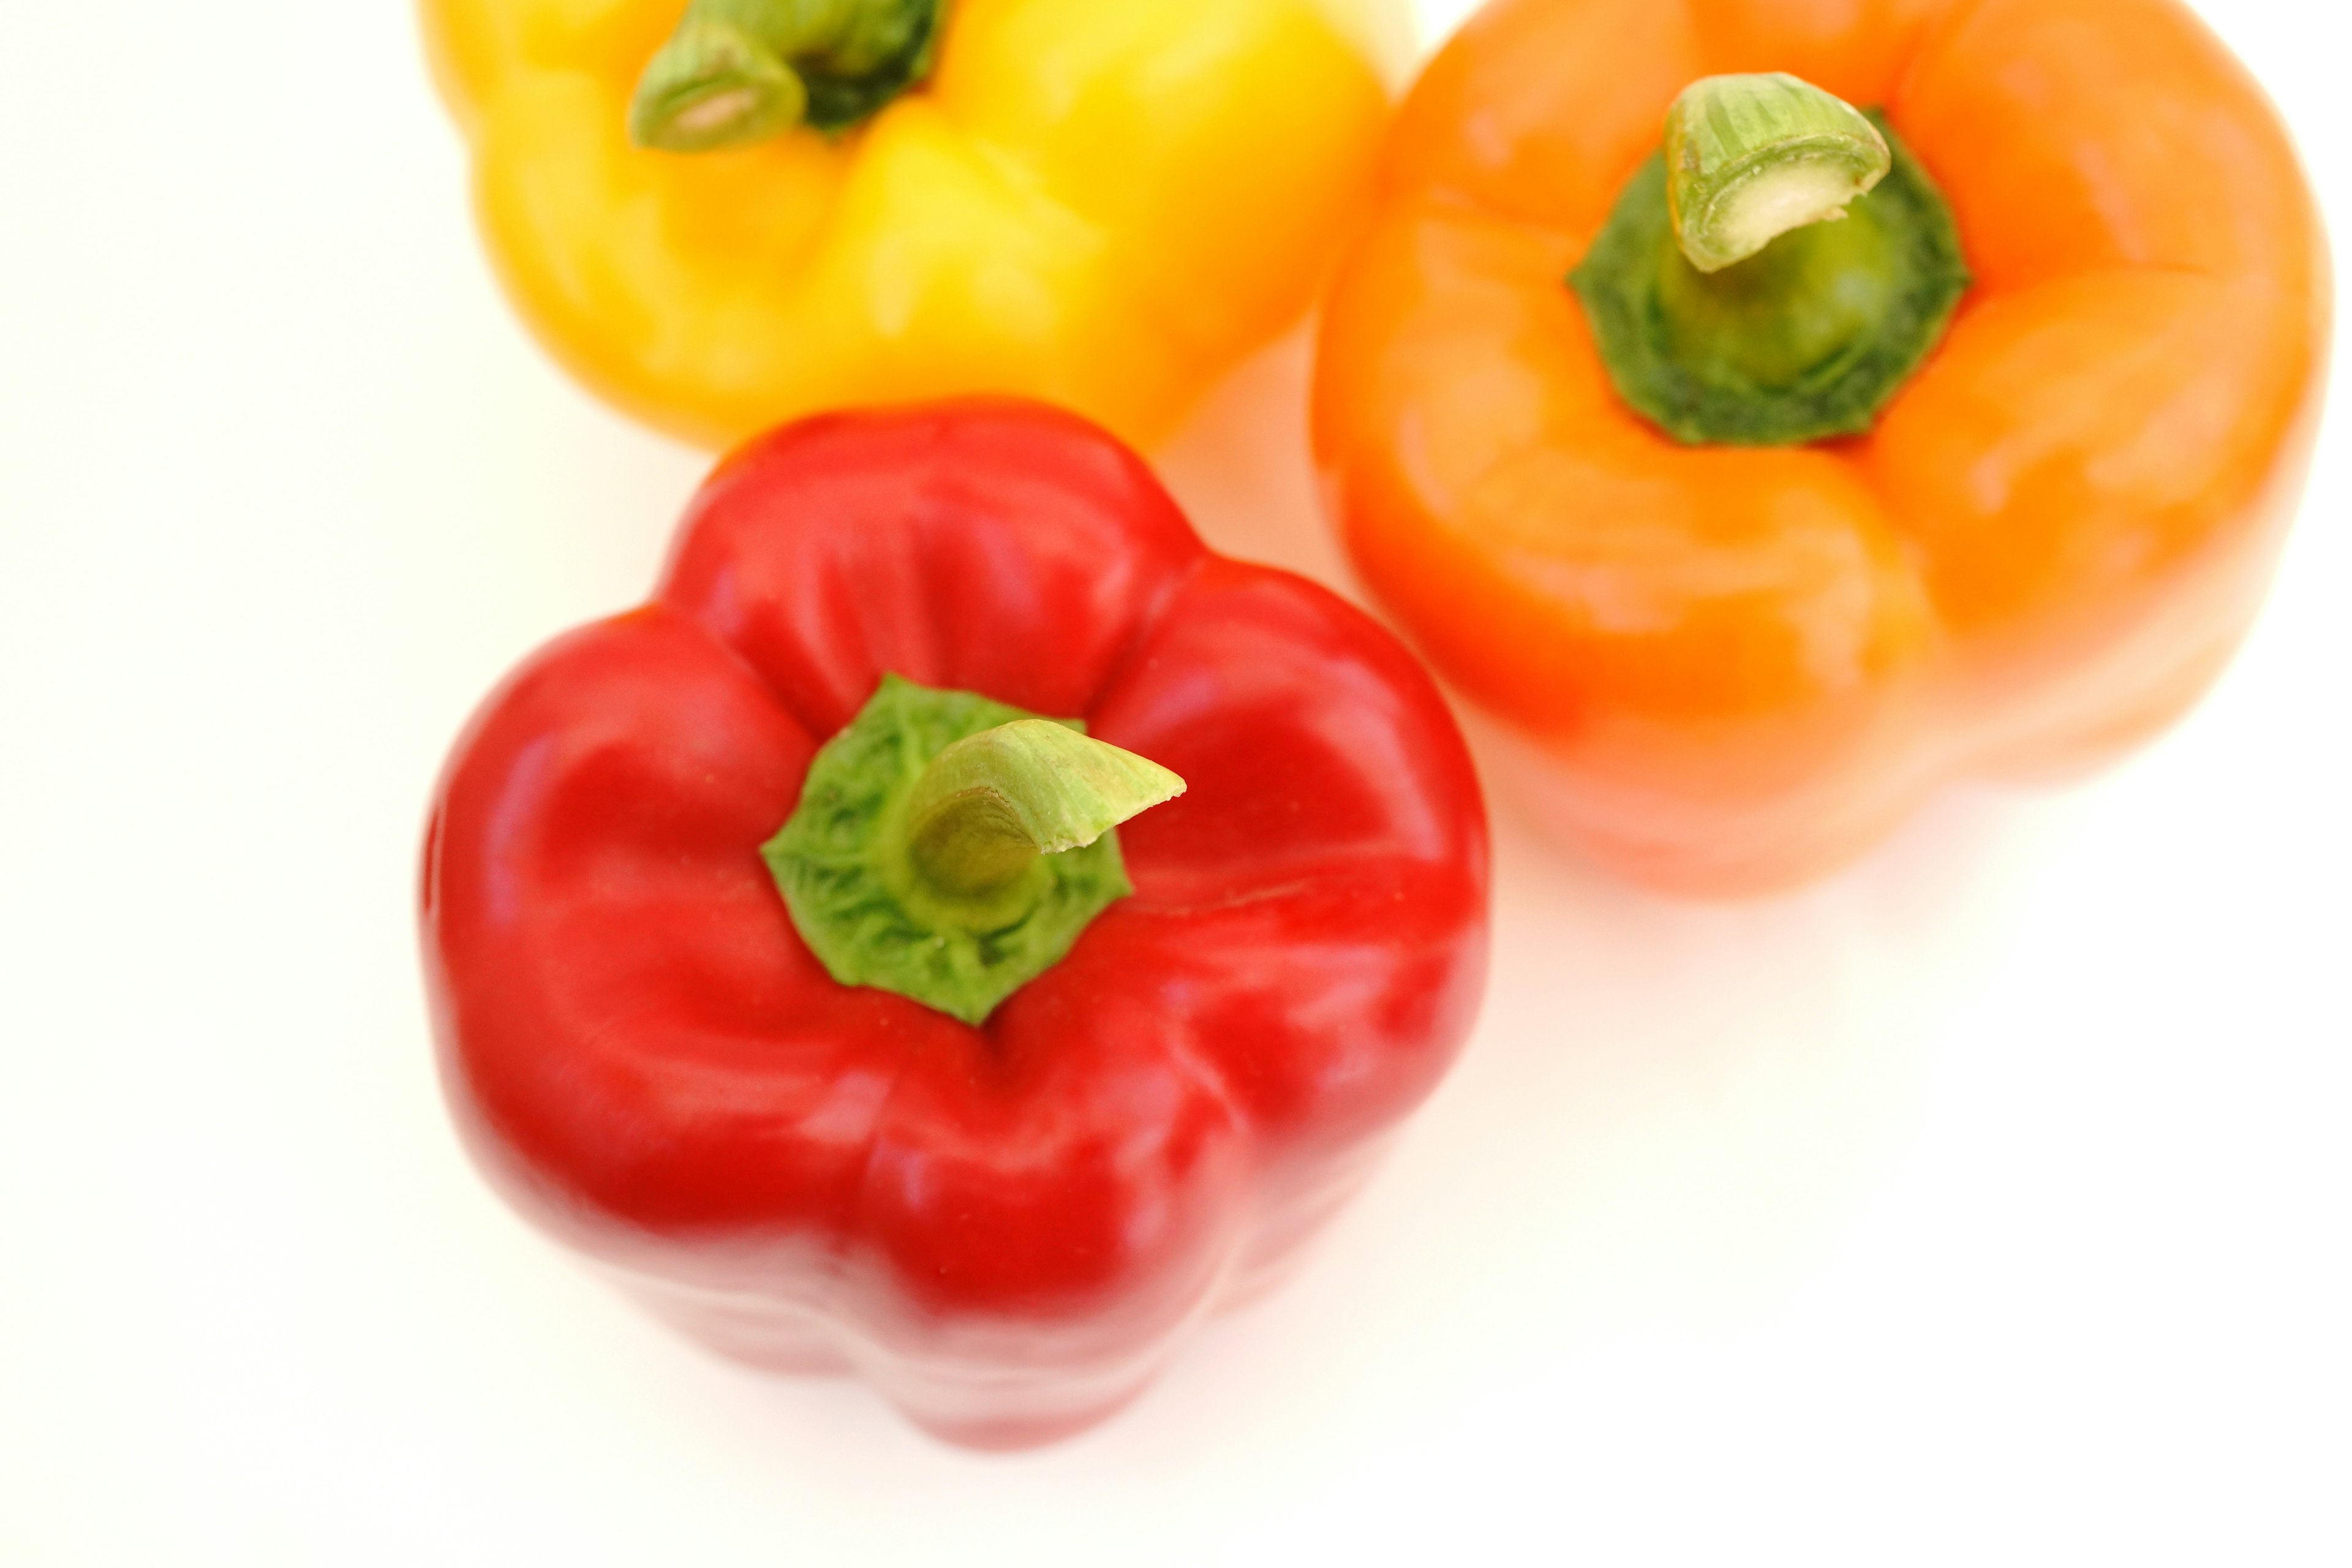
(1006, 1226)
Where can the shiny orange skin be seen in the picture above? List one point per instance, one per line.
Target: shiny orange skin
(1721, 671)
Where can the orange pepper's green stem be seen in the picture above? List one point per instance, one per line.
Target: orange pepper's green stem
(1749, 158)
(1727, 311)
(743, 71)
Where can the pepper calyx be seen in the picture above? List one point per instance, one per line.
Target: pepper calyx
(951, 848)
(1808, 339)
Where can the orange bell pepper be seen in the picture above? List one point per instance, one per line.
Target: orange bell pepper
(1724, 668)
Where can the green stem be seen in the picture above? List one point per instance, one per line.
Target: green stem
(1749, 158)
(951, 848)
(737, 71)
(986, 807)
(1814, 332)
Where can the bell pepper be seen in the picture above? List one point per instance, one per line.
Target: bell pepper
(760, 209)
(1742, 551)
(781, 961)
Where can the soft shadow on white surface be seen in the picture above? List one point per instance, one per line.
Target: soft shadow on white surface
(1990, 1202)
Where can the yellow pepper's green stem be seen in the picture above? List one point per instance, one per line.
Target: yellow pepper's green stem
(987, 806)
(741, 70)
(1749, 158)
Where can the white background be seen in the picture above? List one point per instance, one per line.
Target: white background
(1992, 1202)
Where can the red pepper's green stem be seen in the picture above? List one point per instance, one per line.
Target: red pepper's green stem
(741, 70)
(987, 806)
(951, 848)
(1749, 158)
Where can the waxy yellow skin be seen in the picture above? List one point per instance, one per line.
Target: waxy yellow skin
(1099, 203)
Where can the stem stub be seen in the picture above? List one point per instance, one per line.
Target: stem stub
(1749, 158)
(738, 71)
(951, 848)
(1807, 337)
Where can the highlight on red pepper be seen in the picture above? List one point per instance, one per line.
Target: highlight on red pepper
(962, 930)
(1769, 410)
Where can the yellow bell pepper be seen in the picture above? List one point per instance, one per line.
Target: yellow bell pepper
(1100, 203)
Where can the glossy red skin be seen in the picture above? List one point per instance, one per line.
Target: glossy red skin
(1008, 1228)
